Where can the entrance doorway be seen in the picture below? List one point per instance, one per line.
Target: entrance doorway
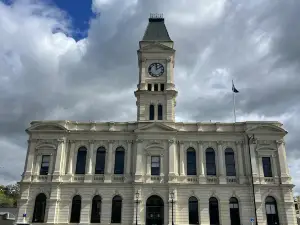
(154, 210)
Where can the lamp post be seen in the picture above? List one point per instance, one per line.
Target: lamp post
(137, 194)
(172, 202)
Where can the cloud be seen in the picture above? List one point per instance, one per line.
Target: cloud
(48, 75)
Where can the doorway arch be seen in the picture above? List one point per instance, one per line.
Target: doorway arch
(154, 210)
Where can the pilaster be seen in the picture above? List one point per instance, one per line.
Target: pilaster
(201, 155)
(242, 177)
(29, 160)
(172, 159)
(253, 143)
(284, 170)
(222, 178)
(109, 162)
(182, 159)
(139, 161)
(58, 161)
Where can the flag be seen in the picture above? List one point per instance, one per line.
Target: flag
(233, 88)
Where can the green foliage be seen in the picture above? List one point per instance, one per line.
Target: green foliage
(9, 195)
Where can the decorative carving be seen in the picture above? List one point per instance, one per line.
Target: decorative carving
(129, 141)
(92, 141)
(111, 141)
(180, 142)
(139, 140)
(213, 193)
(233, 193)
(253, 140)
(72, 141)
(169, 59)
(192, 192)
(116, 192)
(279, 142)
(200, 142)
(171, 141)
(269, 191)
(220, 142)
(61, 140)
(239, 142)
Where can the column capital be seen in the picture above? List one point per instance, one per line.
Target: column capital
(253, 140)
(180, 142)
(60, 140)
(129, 141)
(239, 142)
(171, 141)
(279, 142)
(92, 141)
(111, 141)
(220, 143)
(72, 141)
(139, 140)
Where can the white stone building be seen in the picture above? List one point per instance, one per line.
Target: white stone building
(91, 172)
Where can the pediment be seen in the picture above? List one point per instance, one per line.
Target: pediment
(266, 129)
(156, 127)
(47, 127)
(154, 47)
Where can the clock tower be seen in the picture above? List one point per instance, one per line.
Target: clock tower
(156, 93)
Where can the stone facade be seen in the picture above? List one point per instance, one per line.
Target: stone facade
(168, 139)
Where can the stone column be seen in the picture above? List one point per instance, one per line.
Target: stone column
(109, 162)
(182, 159)
(128, 158)
(58, 161)
(85, 211)
(28, 168)
(284, 170)
(260, 168)
(172, 153)
(222, 178)
(162, 173)
(201, 158)
(139, 161)
(38, 163)
(240, 162)
(148, 165)
(53, 204)
(253, 143)
(90, 156)
(71, 158)
(274, 165)
(50, 172)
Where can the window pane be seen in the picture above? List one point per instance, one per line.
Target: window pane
(100, 161)
(191, 162)
(267, 168)
(45, 165)
(155, 165)
(119, 162)
(151, 112)
(159, 112)
(116, 213)
(81, 161)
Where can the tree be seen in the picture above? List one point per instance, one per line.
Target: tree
(9, 195)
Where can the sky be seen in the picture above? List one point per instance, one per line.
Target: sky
(65, 61)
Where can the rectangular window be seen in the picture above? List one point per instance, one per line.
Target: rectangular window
(45, 165)
(267, 167)
(155, 87)
(119, 162)
(100, 162)
(162, 87)
(149, 87)
(296, 206)
(155, 165)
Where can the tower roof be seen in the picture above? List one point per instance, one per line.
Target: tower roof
(156, 29)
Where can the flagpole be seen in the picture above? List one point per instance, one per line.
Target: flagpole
(233, 98)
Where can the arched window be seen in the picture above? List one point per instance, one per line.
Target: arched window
(116, 211)
(214, 211)
(151, 112)
(81, 160)
(119, 160)
(76, 209)
(271, 211)
(191, 161)
(159, 112)
(100, 160)
(193, 210)
(210, 162)
(230, 162)
(234, 211)
(96, 209)
(39, 208)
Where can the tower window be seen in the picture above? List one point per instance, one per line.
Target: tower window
(162, 87)
(155, 87)
(151, 112)
(149, 87)
(159, 112)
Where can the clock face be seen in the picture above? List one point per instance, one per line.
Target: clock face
(156, 69)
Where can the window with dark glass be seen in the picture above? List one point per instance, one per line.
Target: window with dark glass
(119, 160)
(96, 209)
(149, 87)
(100, 160)
(39, 208)
(271, 211)
(210, 162)
(266, 161)
(159, 112)
(116, 211)
(45, 165)
(296, 206)
(234, 211)
(214, 211)
(155, 87)
(162, 87)
(76, 209)
(155, 165)
(193, 210)
(230, 162)
(151, 112)
(81, 161)
(191, 162)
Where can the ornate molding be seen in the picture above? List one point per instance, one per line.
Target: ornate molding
(92, 141)
(139, 140)
(253, 141)
(200, 142)
(171, 141)
(220, 142)
(60, 140)
(279, 142)
(239, 142)
(72, 141)
(180, 142)
(111, 141)
(129, 141)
